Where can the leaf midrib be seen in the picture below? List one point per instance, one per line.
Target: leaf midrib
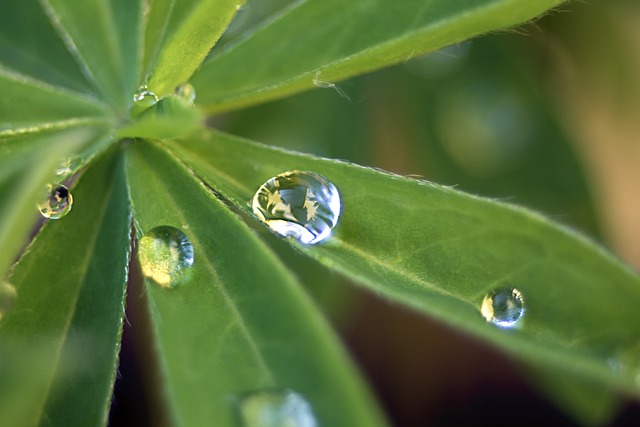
(52, 126)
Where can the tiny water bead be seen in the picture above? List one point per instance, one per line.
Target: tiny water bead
(166, 256)
(143, 99)
(8, 297)
(503, 307)
(187, 92)
(56, 203)
(298, 204)
(276, 409)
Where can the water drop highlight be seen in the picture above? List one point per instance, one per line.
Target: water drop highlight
(503, 307)
(276, 409)
(143, 99)
(8, 297)
(298, 204)
(57, 202)
(166, 256)
(187, 92)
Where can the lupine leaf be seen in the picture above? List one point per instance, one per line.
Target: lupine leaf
(239, 323)
(60, 342)
(319, 42)
(441, 251)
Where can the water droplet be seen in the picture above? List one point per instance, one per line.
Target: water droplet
(166, 255)
(187, 92)
(8, 297)
(302, 205)
(57, 202)
(503, 307)
(143, 99)
(276, 409)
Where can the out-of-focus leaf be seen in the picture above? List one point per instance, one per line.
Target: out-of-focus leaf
(318, 42)
(59, 343)
(239, 323)
(35, 49)
(441, 251)
(29, 106)
(27, 164)
(179, 35)
(105, 37)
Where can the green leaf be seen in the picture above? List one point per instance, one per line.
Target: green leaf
(35, 49)
(29, 106)
(171, 117)
(179, 35)
(239, 323)
(59, 343)
(27, 164)
(319, 42)
(105, 37)
(440, 251)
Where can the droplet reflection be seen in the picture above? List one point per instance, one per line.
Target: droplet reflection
(302, 205)
(276, 409)
(57, 202)
(143, 99)
(166, 256)
(503, 307)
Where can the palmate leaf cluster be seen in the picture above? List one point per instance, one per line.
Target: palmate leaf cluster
(242, 323)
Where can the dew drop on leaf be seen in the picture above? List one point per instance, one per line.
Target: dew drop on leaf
(302, 205)
(276, 409)
(8, 297)
(187, 92)
(503, 307)
(56, 203)
(166, 256)
(143, 99)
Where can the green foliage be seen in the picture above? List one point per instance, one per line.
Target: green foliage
(241, 322)
(228, 309)
(61, 340)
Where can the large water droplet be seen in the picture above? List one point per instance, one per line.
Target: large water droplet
(8, 297)
(56, 203)
(187, 92)
(166, 256)
(143, 99)
(302, 205)
(276, 409)
(503, 307)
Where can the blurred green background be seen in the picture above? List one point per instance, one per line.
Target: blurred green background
(544, 116)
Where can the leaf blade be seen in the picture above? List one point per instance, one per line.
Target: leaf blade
(108, 54)
(179, 36)
(27, 164)
(238, 316)
(38, 52)
(30, 106)
(361, 36)
(440, 251)
(61, 340)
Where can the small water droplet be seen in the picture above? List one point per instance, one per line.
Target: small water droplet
(187, 92)
(8, 297)
(503, 307)
(166, 256)
(143, 99)
(57, 202)
(302, 205)
(276, 409)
